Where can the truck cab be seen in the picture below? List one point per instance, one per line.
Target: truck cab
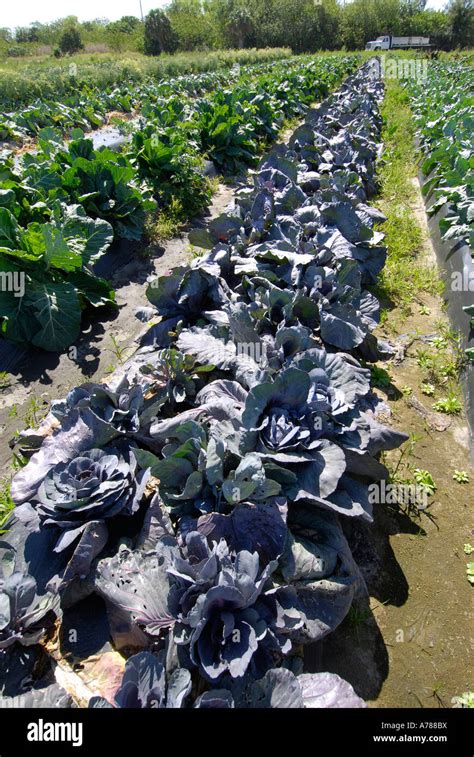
(381, 43)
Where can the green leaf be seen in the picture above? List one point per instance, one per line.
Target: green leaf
(145, 459)
(95, 290)
(9, 230)
(7, 198)
(44, 239)
(57, 309)
(91, 237)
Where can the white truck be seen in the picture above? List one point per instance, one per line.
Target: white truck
(387, 42)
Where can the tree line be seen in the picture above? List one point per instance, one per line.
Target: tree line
(303, 25)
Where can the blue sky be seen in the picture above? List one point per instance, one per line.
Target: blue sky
(23, 12)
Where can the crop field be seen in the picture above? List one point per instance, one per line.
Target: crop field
(95, 196)
(236, 388)
(81, 94)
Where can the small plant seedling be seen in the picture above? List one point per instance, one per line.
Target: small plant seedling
(196, 252)
(424, 479)
(407, 390)
(5, 380)
(468, 549)
(439, 342)
(424, 358)
(460, 476)
(380, 377)
(117, 349)
(35, 412)
(449, 405)
(424, 310)
(427, 389)
(407, 450)
(437, 689)
(410, 445)
(449, 369)
(6, 503)
(448, 333)
(470, 572)
(465, 700)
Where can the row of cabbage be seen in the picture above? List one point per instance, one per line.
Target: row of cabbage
(202, 492)
(39, 82)
(443, 107)
(88, 107)
(62, 206)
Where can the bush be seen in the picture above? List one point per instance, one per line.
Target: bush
(70, 42)
(16, 51)
(159, 35)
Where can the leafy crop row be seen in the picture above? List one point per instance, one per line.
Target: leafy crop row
(444, 115)
(37, 82)
(201, 493)
(117, 190)
(87, 107)
(443, 106)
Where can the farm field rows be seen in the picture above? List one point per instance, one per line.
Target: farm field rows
(63, 205)
(408, 643)
(443, 108)
(215, 508)
(25, 81)
(86, 107)
(444, 114)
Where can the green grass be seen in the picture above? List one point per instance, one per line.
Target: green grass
(170, 221)
(405, 275)
(166, 224)
(442, 361)
(118, 350)
(5, 380)
(6, 503)
(35, 411)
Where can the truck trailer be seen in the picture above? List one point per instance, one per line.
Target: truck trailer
(387, 42)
